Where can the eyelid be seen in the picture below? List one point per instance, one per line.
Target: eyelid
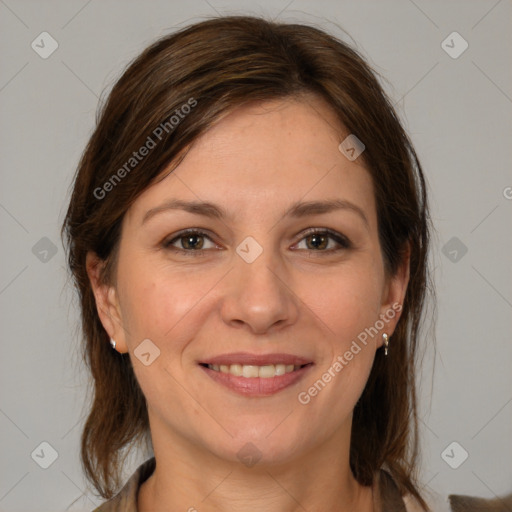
(168, 241)
(339, 238)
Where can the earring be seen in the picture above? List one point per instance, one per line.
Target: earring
(113, 343)
(385, 337)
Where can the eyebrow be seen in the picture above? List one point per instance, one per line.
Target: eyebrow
(297, 210)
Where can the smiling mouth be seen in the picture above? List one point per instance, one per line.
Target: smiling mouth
(256, 375)
(268, 371)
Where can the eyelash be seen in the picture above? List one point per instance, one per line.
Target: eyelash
(343, 241)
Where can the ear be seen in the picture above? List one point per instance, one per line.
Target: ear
(394, 295)
(107, 302)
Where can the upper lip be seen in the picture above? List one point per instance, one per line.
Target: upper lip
(245, 358)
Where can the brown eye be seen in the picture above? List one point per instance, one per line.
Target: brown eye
(190, 242)
(319, 241)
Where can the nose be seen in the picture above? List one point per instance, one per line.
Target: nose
(259, 296)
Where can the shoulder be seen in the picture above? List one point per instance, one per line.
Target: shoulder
(126, 499)
(435, 501)
(393, 500)
(464, 503)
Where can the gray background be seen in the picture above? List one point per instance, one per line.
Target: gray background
(458, 113)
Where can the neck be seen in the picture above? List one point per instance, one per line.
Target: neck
(186, 478)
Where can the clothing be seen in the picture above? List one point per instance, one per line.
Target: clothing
(126, 499)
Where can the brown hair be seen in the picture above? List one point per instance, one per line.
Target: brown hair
(217, 65)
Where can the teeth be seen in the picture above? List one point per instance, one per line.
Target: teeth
(234, 369)
(248, 371)
(267, 371)
(280, 369)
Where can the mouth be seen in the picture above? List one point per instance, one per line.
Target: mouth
(256, 375)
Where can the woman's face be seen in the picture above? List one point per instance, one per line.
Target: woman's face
(286, 319)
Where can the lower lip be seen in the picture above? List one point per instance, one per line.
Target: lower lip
(257, 386)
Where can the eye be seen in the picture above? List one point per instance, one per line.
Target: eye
(190, 242)
(317, 240)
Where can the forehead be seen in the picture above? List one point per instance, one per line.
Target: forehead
(265, 156)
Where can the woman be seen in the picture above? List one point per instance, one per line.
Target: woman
(248, 233)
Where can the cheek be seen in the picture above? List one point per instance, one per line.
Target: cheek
(348, 306)
(160, 304)
(164, 306)
(348, 302)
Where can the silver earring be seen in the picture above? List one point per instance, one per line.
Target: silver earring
(113, 343)
(385, 337)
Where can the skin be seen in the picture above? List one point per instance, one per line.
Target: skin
(256, 162)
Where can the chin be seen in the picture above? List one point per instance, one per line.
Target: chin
(256, 447)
